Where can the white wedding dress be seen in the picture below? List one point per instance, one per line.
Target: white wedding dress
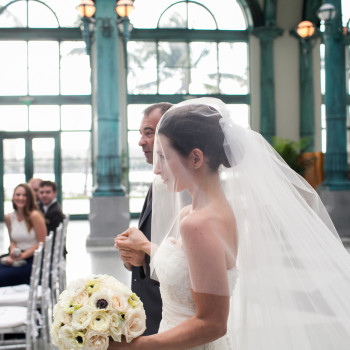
(171, 268)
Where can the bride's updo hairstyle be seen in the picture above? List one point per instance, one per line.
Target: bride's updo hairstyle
(196, 126)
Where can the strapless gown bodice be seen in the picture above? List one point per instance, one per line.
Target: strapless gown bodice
(171, 267)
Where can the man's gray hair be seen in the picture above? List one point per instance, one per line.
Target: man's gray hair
(163, 106)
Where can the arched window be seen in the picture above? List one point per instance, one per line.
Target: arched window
(179, 50)
(45, 100)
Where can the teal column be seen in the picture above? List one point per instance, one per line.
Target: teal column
(335, 165)
(109, 206)
(267, 35)
(106, 119)
(306, 88)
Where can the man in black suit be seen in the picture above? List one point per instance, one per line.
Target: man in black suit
(49, 205)
(137, 261)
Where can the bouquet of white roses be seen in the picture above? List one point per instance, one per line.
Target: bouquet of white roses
(91, 310)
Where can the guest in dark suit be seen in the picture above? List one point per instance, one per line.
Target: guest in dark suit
(49, 205)
(135, 260)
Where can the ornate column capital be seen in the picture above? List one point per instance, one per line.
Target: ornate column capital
(267, 33)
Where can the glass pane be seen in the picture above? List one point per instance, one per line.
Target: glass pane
(40, 16)
(233, 65)
(43, 158)
(228, 14)
(15, 15)
(75, 69)
(173, 81)
(66, 11)
(142, 64)
(324, 140)
(147, 13)
(76, 117)
(204, 77)
(348, 145)
(323, 117)
(14, 153)
(173, 68)
(13, 118)
(322, 73)
(76, 172)
(135, 151)
(140, 173)
(174, 17)
(135, 114)
(13, 68)
(43, 67)
(200, 18)
(345, 5)
(43, 118)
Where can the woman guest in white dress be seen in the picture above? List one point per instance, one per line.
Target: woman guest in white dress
(250, 212)
(26, 227)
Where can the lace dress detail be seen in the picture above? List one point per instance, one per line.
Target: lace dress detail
(171, 268)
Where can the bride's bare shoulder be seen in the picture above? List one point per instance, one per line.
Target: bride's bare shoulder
(209, 221)
(196, 222)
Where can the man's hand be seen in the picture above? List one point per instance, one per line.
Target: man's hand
(133, 239)
(132, 245)
(132, 257)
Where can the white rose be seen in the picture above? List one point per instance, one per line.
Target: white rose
(82, 317)
(64, 317)
(76, 286)
(100, 321)
(56, 310)
(109, 282)
(124, 289)
(96, 341)
(54, 332)
(135, 323)
(116, 327)
(57, 323)
(66, 335)
(65, 298)
(120, 302)
(100, 300)
(80, 298)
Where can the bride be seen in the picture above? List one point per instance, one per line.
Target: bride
(250, 212)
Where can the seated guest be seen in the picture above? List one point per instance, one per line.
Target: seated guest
(49, 205)
(26, 227)
(34, 184)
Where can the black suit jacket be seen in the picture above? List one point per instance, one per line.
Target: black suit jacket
(53, 217)
(146, 288)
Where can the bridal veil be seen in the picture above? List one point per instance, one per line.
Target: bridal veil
(293, 290)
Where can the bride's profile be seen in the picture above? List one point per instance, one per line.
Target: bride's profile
(254, 263)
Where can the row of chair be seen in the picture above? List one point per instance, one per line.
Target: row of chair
(28, 309)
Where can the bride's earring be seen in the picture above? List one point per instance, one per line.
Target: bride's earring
(196, 160)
